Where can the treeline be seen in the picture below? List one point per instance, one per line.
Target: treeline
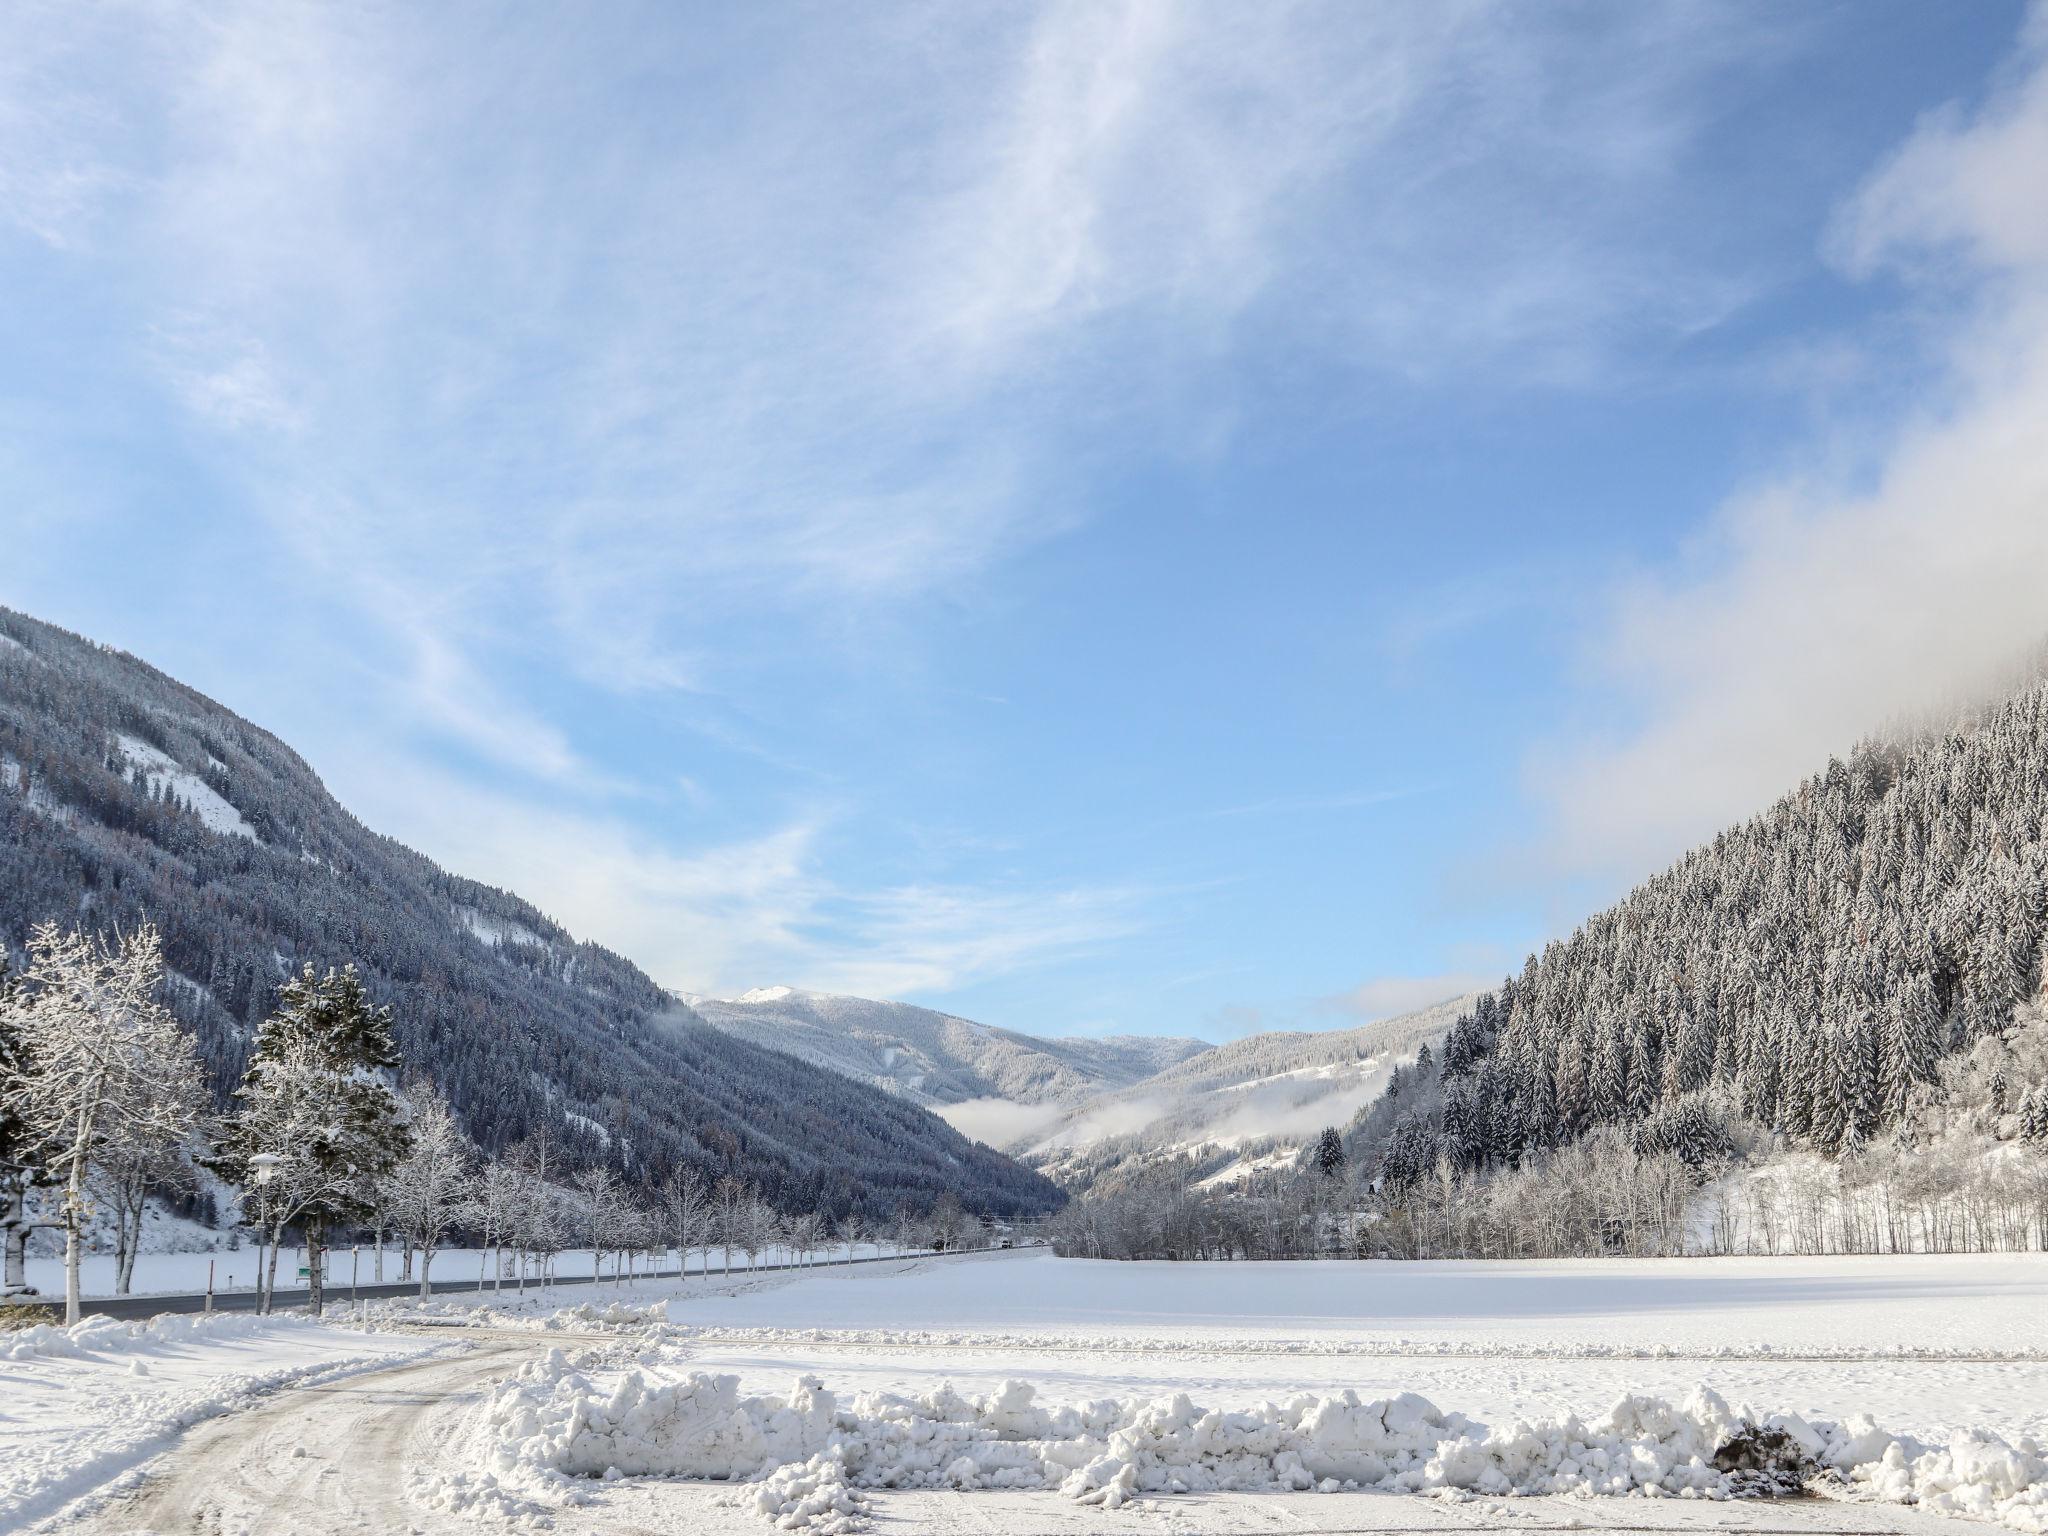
(1965, 1171)
(107, 768)
(103, 1106)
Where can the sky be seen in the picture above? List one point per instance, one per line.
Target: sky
(1167, 518)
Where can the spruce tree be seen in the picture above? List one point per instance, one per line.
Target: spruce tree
(1330, 1153)
(320, 1083)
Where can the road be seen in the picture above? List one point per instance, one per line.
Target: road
(368, 1453)
(284, 1300)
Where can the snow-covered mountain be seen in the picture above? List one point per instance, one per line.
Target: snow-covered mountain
(1234, 1109)
(127, 797)
(994, 1084)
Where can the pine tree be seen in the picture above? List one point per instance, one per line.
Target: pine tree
(1330, 1153)
(317, 1093)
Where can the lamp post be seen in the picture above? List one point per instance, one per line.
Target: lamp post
(263, 1168)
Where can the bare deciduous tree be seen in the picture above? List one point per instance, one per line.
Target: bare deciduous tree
(104, 1067)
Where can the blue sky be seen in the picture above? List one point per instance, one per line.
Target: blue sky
(1177, 518)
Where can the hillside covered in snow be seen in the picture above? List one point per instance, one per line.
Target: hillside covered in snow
(981, 1078)
(126, 796)
(1856, 965)
(1237, 1110)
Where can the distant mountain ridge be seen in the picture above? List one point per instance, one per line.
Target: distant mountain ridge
(1238, 1108)
(1089, 1110)
(933, 1058)
(126, 795)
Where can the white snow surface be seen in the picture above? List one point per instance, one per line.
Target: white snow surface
(162, 770)
(1841, 1307)
(553, 1422)
(817, 1397)
(1921, 1380)
(82, 1408)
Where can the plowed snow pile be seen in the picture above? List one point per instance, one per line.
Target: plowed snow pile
(809, 1456)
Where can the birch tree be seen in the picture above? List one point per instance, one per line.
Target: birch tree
(498, 1194)
(22, 1164)
(127, 1171)
(730, 1200)
(601, 1213)
(685, 1209)
(430, 1186)
(103, 1065)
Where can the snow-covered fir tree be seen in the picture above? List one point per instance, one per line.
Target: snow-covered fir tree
(316, 1103)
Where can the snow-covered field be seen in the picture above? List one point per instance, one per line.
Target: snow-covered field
(1926, 1344)
(1019, 1391)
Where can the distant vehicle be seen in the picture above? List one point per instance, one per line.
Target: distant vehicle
(1006, 1243)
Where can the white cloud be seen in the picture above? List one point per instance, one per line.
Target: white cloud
(1829, 602)
(720, 918)
(816, 339)
(998, 1122)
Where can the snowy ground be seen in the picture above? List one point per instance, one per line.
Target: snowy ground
(1924, 1344)
(1146, 1379)
(82, 1408)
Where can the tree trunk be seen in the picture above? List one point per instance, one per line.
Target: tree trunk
(74, 1205)
(316, 1268)
(15, 1227)
(426, 1263)
(269, 1280)
(128, 1215)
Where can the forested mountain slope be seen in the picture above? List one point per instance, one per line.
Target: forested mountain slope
(1237, 1109)
(126, 796)
(935, 1058)
(1805, 977)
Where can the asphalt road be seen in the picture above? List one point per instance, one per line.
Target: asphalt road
(283, 1300)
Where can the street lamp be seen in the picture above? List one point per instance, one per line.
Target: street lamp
(263, 1168)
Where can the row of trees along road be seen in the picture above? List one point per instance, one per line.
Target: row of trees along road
(103, 1104)
(102, 1100)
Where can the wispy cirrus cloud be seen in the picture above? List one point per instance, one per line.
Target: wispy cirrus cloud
(727, 916)
(636, 356)
(814, 337)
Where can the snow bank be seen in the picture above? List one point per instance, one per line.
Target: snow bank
(810, 1455)
(99, 1336)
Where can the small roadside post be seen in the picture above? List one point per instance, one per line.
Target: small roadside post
(209, 1285)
